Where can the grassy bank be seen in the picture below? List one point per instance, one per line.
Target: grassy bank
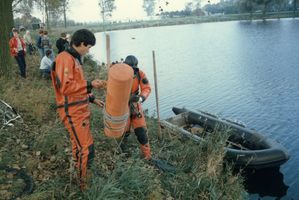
(41, 147)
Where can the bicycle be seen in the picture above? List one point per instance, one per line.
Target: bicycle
(8, 114)
(33, 49)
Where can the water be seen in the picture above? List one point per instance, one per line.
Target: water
(245, 70)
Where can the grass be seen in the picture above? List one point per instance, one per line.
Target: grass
(41, 148)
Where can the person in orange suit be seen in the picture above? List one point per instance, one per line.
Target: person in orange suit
(141, 89)
(73, 95)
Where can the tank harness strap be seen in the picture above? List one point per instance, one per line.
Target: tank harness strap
(133, 109)
(66, 105)
(137, 112)
(53, 68)
(138, 76)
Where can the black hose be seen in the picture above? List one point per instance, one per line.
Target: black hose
(24, 176)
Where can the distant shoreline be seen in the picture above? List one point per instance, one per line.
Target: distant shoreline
(189, 20)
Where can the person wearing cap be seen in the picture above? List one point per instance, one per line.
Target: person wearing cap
(141, 89)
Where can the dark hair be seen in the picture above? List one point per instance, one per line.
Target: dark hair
(41, 31)
(45, 32)
(85, 36)
(12, 28)
(15, 30)
(63, 35)
(48, 52)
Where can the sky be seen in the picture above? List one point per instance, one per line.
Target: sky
(89, 11)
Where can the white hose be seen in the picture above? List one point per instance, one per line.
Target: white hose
(115, 120)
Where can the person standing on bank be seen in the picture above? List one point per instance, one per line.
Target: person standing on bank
(141, 89)
(39, 43)
(28, 42)
(60, 43)
(46, 44)
(18, 50)
(73, 95)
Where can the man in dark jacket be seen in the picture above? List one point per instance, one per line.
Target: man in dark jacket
(60, 43)
(38, 43)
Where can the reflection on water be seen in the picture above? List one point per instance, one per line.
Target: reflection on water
(266, 182)
(244, 70)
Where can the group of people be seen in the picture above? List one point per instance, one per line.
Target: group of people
(73, 95)
(44, 44)
(20, 48)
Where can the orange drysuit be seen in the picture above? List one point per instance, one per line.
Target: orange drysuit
(73, 95)
(138, 123)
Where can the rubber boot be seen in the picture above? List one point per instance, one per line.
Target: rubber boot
(162, 165)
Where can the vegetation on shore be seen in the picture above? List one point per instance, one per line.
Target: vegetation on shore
(41, 147)
(186, 20)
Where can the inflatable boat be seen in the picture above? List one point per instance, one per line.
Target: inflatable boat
(246, 147)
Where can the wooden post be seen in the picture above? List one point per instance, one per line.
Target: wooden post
(108, 49)
(157, 101)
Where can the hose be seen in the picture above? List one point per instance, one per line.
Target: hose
(115, 120)
(24, 176)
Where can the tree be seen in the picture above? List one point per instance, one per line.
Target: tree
(266, 2)
(65, 6)
(280, 3)
(246, 5)
(295, 2)
(197, 4)
(188, 8)
(107, 7)
(149, 6)
(48, 8)
(6, 21)
(15, 6)
(197, 8)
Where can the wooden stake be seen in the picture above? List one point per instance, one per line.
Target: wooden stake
(157, 101)
(108, 49)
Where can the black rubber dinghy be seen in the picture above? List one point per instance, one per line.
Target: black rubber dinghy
(259, 150)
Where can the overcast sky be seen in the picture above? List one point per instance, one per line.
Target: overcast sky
(89, 10)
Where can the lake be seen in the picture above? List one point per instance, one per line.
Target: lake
(244, 70)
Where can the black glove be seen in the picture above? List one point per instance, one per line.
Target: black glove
(135, 98)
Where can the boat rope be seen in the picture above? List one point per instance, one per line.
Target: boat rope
(115, 120)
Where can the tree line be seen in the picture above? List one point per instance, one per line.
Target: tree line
(51, 10)
(232, 7)
(251, 6)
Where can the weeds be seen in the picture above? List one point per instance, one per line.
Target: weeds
(41, 148)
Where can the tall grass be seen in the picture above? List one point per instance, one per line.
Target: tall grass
(41, 147)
